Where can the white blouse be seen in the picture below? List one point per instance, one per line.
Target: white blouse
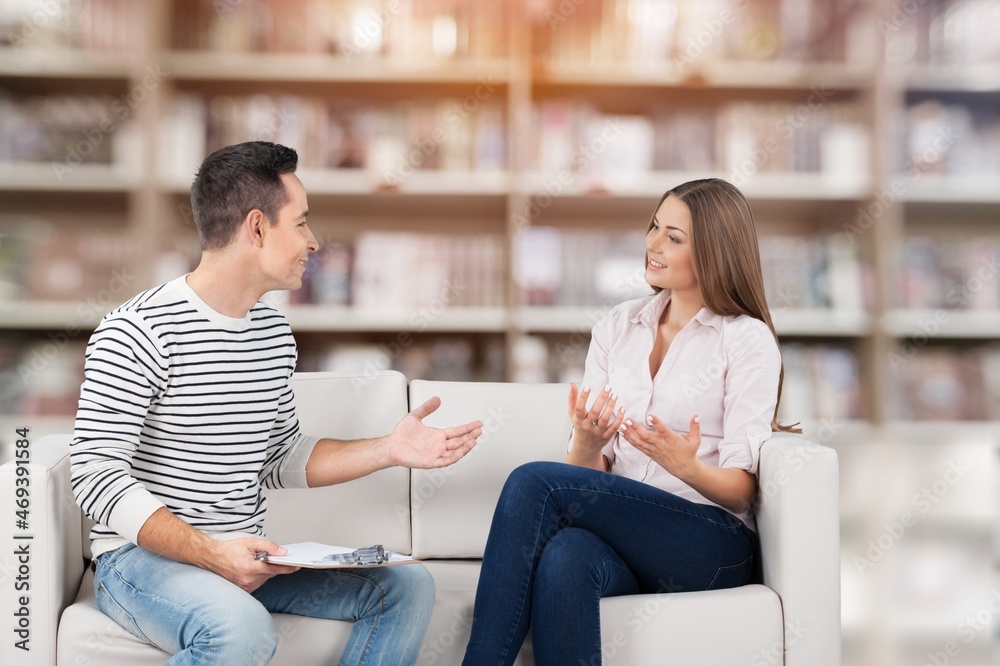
(724, 369)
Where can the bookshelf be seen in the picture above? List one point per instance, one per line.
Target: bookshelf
(530, 67)
(521, 90)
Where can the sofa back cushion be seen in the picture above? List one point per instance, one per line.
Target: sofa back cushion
(452, 508)
(373, 509)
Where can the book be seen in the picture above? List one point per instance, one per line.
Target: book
(312, 555)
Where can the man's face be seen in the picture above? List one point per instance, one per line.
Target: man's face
(288, 241)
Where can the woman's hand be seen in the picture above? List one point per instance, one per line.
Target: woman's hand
(678, 454)
(594, 427)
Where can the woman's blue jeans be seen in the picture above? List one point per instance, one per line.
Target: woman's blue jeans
(202, 618)
(564, 536)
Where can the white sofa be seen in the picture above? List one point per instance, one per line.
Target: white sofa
(442, 517)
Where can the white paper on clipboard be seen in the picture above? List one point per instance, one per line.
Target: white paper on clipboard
(312, 555)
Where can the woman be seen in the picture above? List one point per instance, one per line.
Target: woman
(680, 390)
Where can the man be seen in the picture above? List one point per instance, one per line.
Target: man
(186, 412)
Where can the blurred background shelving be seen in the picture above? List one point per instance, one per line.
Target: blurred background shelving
(502, 160)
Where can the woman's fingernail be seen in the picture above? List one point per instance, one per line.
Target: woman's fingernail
(628, 422)
(586, 389)
(697, 419)
(608, 388)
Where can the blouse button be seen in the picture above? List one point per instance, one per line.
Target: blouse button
(611, 370)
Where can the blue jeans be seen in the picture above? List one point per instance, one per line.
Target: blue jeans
(564, 536)
(202, 618)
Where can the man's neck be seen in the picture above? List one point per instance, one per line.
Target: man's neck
(220, 285)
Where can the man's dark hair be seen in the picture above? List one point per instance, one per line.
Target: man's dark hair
(233, 181)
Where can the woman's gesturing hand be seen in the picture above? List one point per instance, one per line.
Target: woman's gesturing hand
(676, 453)
(593, 427)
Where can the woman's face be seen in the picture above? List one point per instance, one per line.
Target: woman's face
(668, 247)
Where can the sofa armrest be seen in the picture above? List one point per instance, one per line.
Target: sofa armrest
(798, 521)
(37, 585)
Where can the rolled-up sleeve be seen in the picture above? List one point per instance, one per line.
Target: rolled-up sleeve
(288, 450)
(751, 394)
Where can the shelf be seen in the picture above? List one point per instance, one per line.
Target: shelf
(941, 323)
(971, 78)
(821, 322)
(43, 177)
(936, 433)
(711, 73)
(295, 67)
(51, 315)
(328, 319)
(762, 186)
(558, 319)
(973, 189)
(836, 433)
(807, 322)
(65, 64)
(36, 315)
(360, 182)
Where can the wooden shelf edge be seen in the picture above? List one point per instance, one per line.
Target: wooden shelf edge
(60, 177)
(767, 186)
(788, 75)
(305, 67)
(943, 323)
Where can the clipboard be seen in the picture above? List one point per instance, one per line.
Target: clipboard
(312, 555)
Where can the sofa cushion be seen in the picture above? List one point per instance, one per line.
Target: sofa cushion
(88, 636)
(742, 625)
(366, 511)
(634, 629)
(452, 508)
(448, 633)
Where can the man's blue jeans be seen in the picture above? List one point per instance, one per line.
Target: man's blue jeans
(202, 618)
(564, 536)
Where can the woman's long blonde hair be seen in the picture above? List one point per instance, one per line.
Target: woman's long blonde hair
(726, 257)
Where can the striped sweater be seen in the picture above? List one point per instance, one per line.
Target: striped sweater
(185, 408)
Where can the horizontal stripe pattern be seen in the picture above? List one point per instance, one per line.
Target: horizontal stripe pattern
(193, 410)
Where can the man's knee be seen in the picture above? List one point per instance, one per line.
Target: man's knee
(247, 632)
(412, 585)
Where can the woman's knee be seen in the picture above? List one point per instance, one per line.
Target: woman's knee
(579, 560)
(572, 543)
(536, 470)
(529, 479)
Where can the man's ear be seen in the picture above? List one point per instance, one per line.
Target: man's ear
(255, 227)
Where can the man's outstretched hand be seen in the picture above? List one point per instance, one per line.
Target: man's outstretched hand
(413, 444)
